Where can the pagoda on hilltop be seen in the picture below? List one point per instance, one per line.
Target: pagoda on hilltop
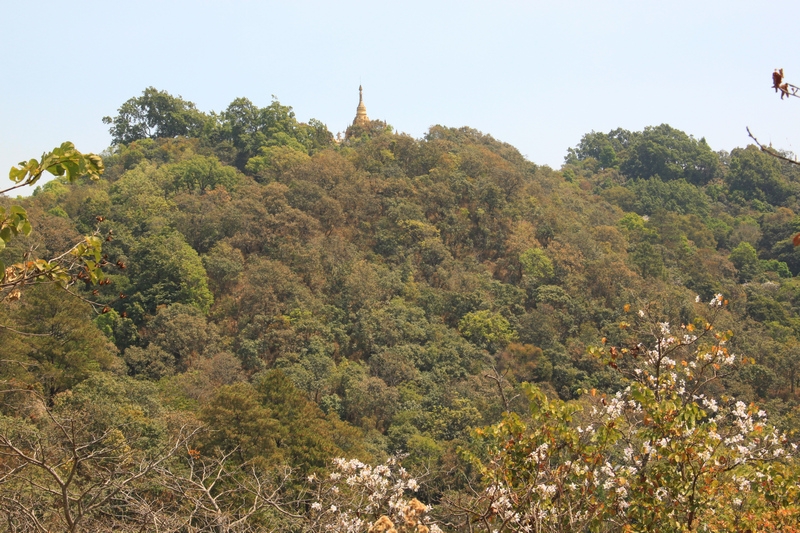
(362, 125)
(361, 111)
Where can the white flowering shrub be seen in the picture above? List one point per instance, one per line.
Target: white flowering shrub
(659, 455)
(355, 497)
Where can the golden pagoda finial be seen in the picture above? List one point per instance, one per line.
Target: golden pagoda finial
(361, 111)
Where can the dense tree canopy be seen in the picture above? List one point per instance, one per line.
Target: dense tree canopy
(301, 299)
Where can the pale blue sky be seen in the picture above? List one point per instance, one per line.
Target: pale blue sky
(535, 74)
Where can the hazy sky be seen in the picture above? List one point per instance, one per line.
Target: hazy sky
(535, 74)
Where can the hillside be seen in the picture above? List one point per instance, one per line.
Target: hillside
(303, 298)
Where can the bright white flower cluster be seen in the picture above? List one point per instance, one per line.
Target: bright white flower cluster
(356, 495)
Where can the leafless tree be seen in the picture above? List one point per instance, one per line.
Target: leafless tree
(59, 472)
(214, 494)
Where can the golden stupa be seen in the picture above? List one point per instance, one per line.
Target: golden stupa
(361, 111)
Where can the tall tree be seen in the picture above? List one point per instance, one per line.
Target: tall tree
(155, 114)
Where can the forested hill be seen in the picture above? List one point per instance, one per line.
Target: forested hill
(304, 298)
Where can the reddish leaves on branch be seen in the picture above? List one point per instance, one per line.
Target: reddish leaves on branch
(779, 84)
(786, 89)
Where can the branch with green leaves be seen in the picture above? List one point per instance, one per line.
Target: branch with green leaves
(63, 162)
(83, 261)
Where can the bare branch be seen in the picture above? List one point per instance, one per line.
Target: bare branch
(499, 379)
(771, 151)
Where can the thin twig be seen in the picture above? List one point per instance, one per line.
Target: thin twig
(17, 186)
(771, 151)
(788, 89)
(25, 333)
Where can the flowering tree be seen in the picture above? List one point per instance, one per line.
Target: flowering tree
(216, 494)
(356, 497)
(659, 455)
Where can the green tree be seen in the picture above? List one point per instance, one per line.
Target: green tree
(487, 329)
(242, 424)
(164, 269)
(671, 154)
(182, 331)
(757, 176)
(151, 362)
(53, 344)
(249, 128)
(606, 149)
(274, 161)
(139, 204)
(155, 114)
(745, 258)
(224, 265)
(676, 196)
(272, 422)
(201, 173)
(536, 266)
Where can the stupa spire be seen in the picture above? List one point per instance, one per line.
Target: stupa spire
(361, 111)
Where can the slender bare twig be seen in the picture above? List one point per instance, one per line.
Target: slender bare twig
(17, 186)
(25, 333)
(771, 151)
(499, 379)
